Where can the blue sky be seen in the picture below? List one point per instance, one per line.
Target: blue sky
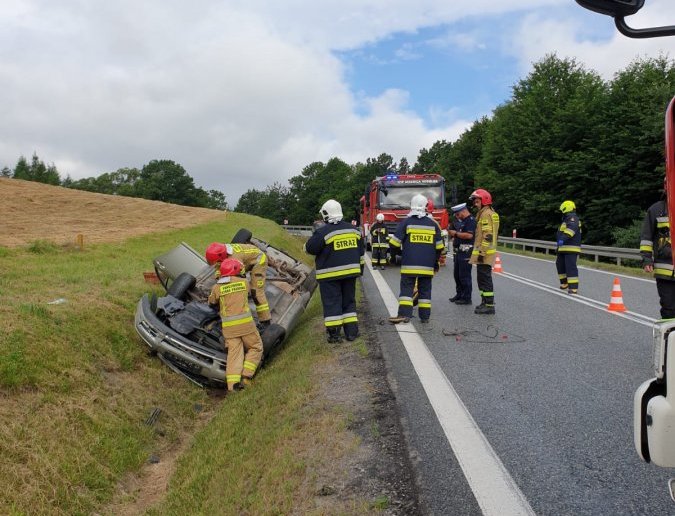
(245, 93)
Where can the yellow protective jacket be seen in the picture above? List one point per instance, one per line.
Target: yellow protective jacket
(231, 293)
(248, 254)
(485, 243)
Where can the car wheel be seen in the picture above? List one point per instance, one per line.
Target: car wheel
(243, 236)
(181, 285)
(272, 338)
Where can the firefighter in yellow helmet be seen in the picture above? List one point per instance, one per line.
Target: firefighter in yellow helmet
(569, 246)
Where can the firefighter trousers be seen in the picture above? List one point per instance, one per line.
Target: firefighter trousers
(405, 298)
(666, 290)
(243, 357)
(379, 255)
(262, 307)
(462, 274)
(484, 280)
(568, 273)
(338, 298)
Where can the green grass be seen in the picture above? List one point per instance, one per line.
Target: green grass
(75, 380)
(78, 386)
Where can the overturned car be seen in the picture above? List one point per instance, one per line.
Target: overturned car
(185, 332)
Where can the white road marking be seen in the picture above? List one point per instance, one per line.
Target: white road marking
(582, 267)
(598, 305)
(496, 492)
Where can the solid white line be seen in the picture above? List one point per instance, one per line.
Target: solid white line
(495, 491)
(593, 303)
(582, 267)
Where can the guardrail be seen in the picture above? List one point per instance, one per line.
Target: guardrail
(617, 253)
(305, 231)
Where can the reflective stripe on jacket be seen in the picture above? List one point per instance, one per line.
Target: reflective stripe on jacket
(421, 244)
(485, 239)
(231, 294)
(338, 249)
(655, 245)
(569, 233)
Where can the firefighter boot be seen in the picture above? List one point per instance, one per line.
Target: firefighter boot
(398, 319)
(484, 309)
(334, 336)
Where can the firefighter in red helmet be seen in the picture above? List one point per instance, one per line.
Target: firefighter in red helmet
(242, 340)
(485, 248)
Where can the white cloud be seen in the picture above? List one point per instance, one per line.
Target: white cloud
(240, 93)
(539, 34)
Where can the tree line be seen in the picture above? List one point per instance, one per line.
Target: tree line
(565, 133)
(158, 180)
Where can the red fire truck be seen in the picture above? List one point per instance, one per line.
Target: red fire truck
(391, 194)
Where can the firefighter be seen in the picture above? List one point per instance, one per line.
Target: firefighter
(462, 234)
(484, 248)
(421, 243)
(569, 246)
(379, 242)
(656, 251)
(255, 262)
(338, 248)
(242, 340)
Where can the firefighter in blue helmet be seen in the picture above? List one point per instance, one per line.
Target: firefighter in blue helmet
(338, 248)
(419, 239)
(569, 247)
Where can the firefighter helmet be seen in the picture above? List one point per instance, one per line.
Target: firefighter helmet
(483, 195)
(380, 217)
(567, 206)
(331, 211)
(418, 203)
(230, 267)
(216, 252)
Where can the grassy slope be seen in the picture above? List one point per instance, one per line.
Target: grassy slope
(77, 386)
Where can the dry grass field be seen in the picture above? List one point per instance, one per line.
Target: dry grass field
(31, 211)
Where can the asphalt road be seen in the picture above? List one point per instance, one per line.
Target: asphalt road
(548, 382)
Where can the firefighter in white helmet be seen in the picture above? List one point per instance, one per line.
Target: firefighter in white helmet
(379, 241)
(421, 243)
(338, 248)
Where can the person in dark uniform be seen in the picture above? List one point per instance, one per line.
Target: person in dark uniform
(339, 249)
(569, 247)
(379, 242)
(420, 240)
(656, 251)
(462, 234)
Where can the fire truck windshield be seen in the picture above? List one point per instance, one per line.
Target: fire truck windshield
(399, 196)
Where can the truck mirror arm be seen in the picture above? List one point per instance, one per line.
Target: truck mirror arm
(650, 32)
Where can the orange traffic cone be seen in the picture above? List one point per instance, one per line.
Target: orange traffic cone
(498, 265)
(616, 301)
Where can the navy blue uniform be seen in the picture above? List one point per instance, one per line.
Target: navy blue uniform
(421, 244)
(569, 247)
(379, 243)
(656, 250)
(339, 260)
(462, 248)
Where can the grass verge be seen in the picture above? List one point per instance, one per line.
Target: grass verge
(75, 382)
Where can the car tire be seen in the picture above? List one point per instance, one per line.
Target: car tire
(272, 338)
(181, 285)
(243, 236)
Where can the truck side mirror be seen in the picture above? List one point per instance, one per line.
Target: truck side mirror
(613, 8)
(618, 9)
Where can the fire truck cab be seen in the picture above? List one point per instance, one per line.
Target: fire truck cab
(391, 195)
